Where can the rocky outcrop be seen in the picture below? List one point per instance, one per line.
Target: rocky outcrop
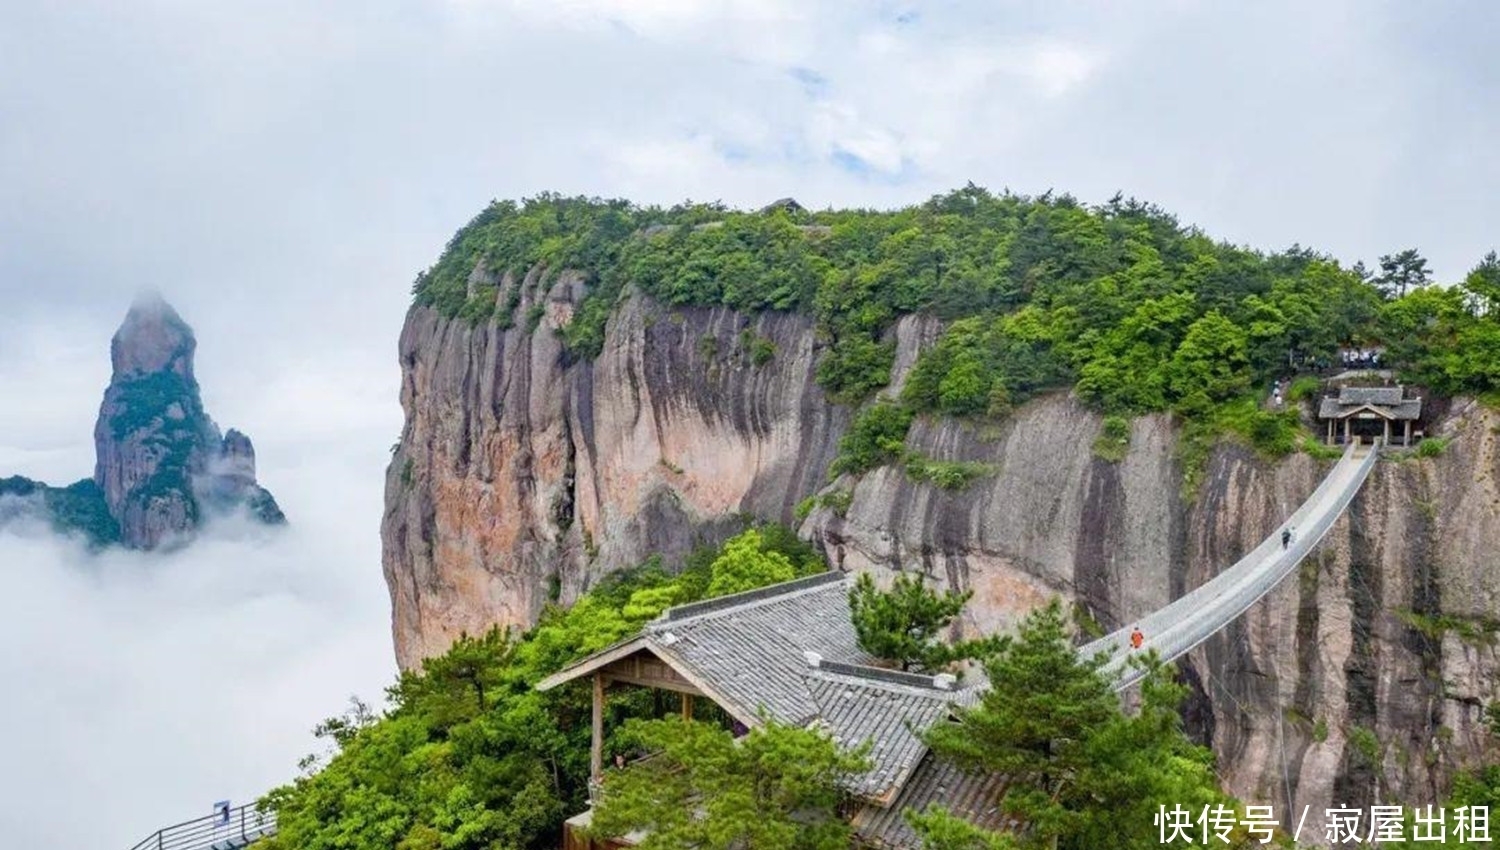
(162, 466)
(524, 476)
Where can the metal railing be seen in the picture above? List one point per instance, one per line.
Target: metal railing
(242, 826)
(1193, 618)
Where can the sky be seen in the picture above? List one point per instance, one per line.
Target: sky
(281, 170)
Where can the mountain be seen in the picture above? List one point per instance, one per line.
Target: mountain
(1020, 397)
(163, 468)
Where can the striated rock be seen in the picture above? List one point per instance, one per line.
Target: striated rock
(162, 467)
(524, 476)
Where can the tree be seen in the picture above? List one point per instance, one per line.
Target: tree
(940, 829)
(1483, 284)
(777, 787)
(1082, 774)
(904, 624)
(1212, 365)
(747, 564)
(1402, 271)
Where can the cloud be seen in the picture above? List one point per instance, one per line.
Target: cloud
(151, 685)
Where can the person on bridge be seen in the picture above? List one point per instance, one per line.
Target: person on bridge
(1286, 537)
(1136, 638)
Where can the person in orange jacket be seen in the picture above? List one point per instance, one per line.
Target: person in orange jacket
(1136, 638)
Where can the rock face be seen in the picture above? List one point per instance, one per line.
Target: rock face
(523, 476)
(162, 466)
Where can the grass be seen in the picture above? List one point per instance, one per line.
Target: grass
(1272, 434)
(1432, 447)
(1306, 386)
(1475, 631)
(1114, 439)
(945, 474)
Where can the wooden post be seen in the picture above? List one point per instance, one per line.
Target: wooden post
(1406, 439)
(687, 706)
(1387, 440)
(596, 745)
(1330, 432)
(1346, 430)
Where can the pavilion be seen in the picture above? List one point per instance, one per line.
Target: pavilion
(789, 652)
(1365, 413)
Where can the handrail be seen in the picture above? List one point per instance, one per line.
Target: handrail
(243, 825)
(1191, 619)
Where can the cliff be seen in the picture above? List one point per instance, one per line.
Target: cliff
(524, 475)
(163, 467)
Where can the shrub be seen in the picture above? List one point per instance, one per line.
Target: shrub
(1432, 447)
(877, 437)
(946, 474)
(1113, 440)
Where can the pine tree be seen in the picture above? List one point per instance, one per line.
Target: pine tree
(904, 625)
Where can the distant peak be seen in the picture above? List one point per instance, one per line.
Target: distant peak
(149, 304)
(153, 338)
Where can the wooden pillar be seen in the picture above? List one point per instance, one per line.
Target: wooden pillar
(1346, 430)
(596, 745)
(1406, 438)
(1387, 440)
(1330, 432)
(687, 706)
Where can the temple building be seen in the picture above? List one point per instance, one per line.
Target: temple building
(1363, 414)
(789, 652)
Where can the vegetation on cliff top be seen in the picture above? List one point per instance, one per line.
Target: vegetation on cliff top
(1139, 311)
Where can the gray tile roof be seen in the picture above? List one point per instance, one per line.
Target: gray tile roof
(1331, 408)
(751, 650)
(973, 797)
(890, 718)
(1386, 399)
(1370, 395)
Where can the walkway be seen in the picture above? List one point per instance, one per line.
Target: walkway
(1190, 620)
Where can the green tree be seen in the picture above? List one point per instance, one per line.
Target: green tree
(777, 787)
(1483, 285)
(1082, 774)
(876, 437)
(905, 624)
(747, 564)
(1211, 366)
(1402, 271)
(940, 829)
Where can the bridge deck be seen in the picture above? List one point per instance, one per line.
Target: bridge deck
(1191, 619)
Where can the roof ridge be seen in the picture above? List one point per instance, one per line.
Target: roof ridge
(746, 598)
(883, 677)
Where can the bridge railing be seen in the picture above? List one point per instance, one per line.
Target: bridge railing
(1194, 617)
(244, 825)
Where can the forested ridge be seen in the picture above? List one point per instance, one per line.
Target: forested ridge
(1137, 311)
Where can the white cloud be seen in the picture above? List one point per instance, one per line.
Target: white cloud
(283, 174)
(150, 685)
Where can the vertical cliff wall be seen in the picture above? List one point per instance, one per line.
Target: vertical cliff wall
(523, 476)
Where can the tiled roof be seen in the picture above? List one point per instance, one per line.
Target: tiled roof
(755, 652)
(973, 797)
(1384, 396)
(890, 718)
(1334, 408)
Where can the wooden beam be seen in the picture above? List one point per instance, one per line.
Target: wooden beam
(687, 706)
(596, 744)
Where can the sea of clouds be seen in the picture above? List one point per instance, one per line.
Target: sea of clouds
(140, 688)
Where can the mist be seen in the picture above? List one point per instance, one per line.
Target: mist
(142, 687)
